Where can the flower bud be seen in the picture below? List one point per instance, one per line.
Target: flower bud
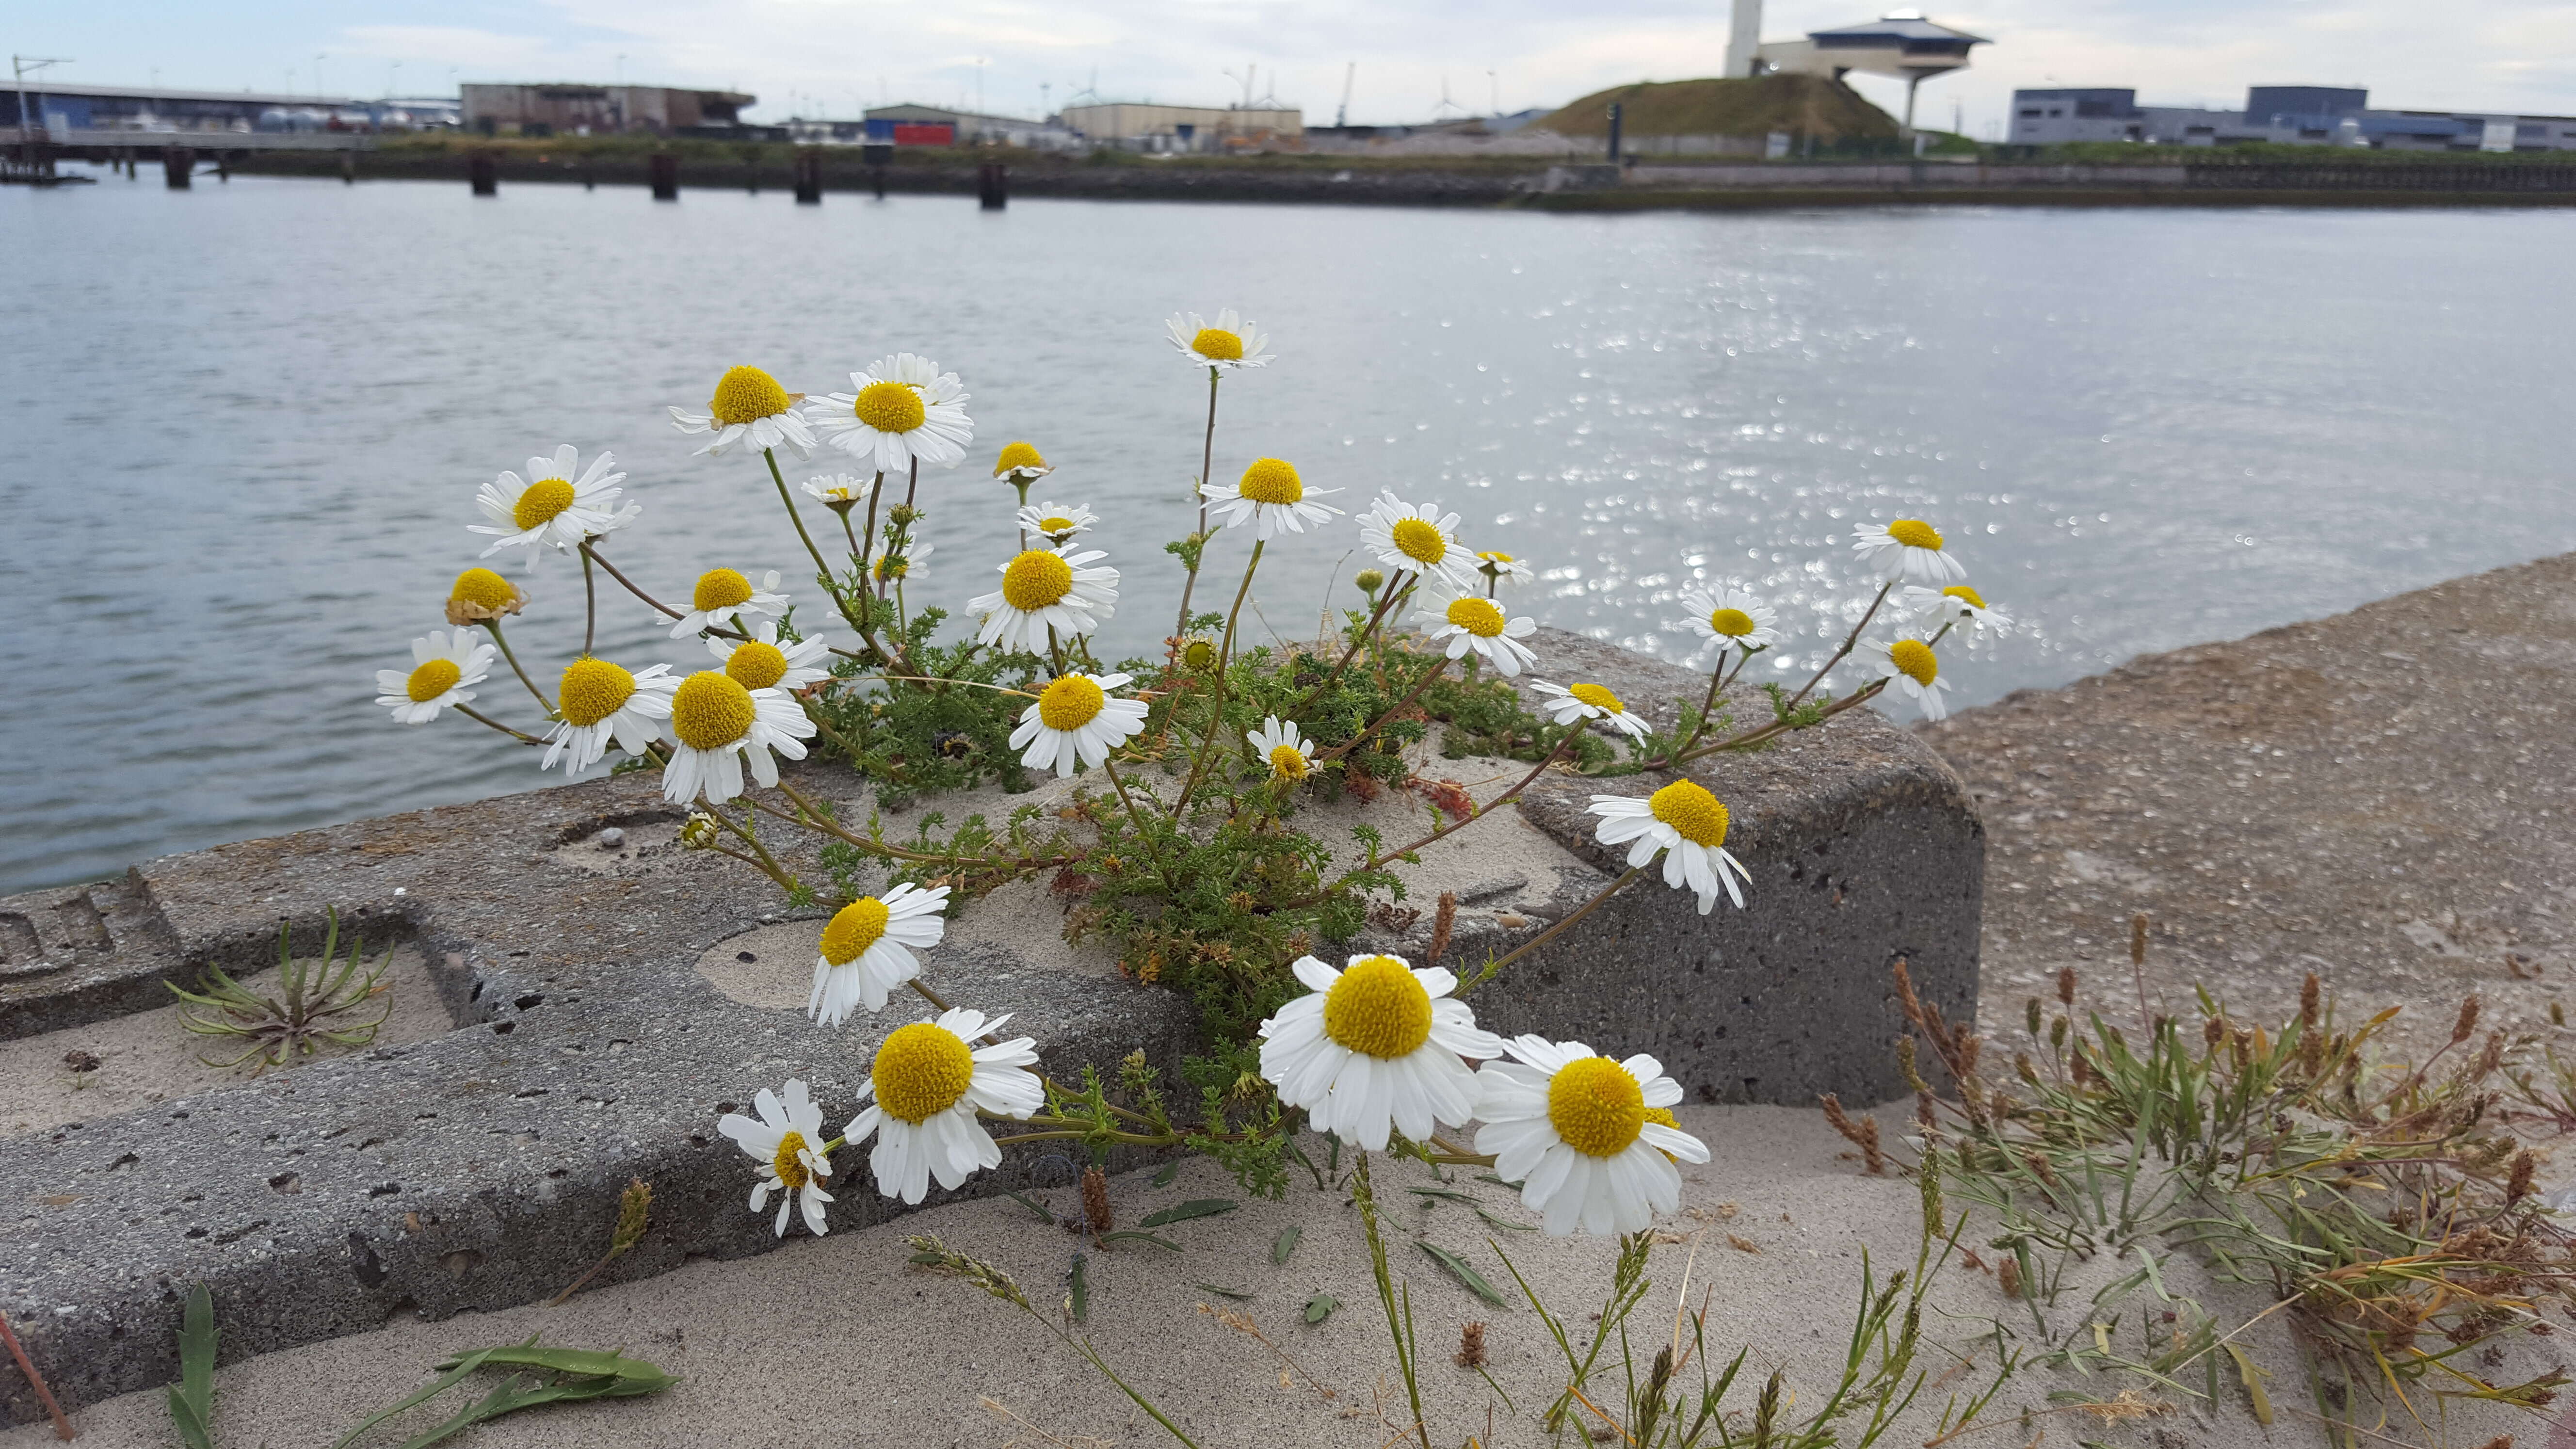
(1370, 581)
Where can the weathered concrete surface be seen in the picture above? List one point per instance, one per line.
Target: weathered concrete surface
(477, 1170)
(81, 953)
(2383, 797)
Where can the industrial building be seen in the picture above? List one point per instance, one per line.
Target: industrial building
(2282, 115)
(918, 125)
(1902, 44)
(573, 109)
(78, 115)
(1145, 126)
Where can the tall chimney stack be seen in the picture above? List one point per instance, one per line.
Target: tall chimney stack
(1744, 39)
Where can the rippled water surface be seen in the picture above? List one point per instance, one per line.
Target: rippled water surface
(246, 424)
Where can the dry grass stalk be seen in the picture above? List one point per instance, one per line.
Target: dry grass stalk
(1862, 1134)
(1471, 1346)
(1095, 1200)
(1442, 922)
(2008, 1278)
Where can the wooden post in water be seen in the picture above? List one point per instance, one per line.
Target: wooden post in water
(349, 167)
(876, 154)
(224, 166)
(809, 176)
(993, 185)
(484, 171)
(178, 164)
(664, 169)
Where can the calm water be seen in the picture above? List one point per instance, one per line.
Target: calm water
(248, 421)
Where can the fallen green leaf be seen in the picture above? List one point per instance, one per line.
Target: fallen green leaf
(1222, 1292)
(1171, 1169)
(1498, 1182)
(1320, 1307)
(2253, 1377)
(192, 1399)
(1033, 1205)
(1078, 1280)
(1285, 1243)
(1462, 1270)
(1197, 1207)
(1507, 1226)
(589, 1363)
(1131, 1233)
(1451, 1193)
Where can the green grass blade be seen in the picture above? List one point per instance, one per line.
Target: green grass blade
(192, 1399)
(1464, 1271)
(1200, 1207)
(456, 1369)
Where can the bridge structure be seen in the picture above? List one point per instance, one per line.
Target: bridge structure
(42, 124)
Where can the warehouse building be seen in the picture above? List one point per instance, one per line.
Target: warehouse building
(1144, 126)
(2281, 115)
(572, 109)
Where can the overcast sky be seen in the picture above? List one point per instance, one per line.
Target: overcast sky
(835, 56)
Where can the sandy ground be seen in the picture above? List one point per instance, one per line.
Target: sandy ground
(49, 1079)
(842, 1341)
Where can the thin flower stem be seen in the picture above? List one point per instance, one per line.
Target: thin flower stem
(912, 488)
(1718, 679)
(666, 610)
(589, 605)
(1489, 807)
(1850, 641)
(1390, 594)
(1494, 968)
(1776, 728)
(868, 546)
(543, 703)
(1207, 461)
(813, 818)
(1216, 707)
(822, 570)
(1419, 685)
(847, 532)
(525, 739)
(1137, 819)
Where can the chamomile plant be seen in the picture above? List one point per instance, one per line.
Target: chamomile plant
(1177, 830)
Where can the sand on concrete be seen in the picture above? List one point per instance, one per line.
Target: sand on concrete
(842, 1341)
(145, 1057)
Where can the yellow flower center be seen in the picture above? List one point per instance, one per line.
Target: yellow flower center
(1070, 703)
(1733, 623)
(720, 589)
(859, 925)
(1913, 659)
(433, 679)
(542, 501)
(1036, 580)
(1271, 480)
(1055, 525)
(592, 690)
(746, 393)
(484, 589)
(788, 1164)
(1420, 540)
(1217, 345)
(922, 1070)
(1378, 1009)
(1596, 1107)
(709, 711)
(891, 567)
(1692, 812)
(1914, 533)
(1496, 556)
(889, 407)
(1477, 616)
(1969, 596)
(1597, 697)
(1288, 762)
(1199, 654)
(755, 665)
(1017, 455)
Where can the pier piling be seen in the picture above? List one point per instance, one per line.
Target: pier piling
(809, 176)
(178, 165)
(664, 168)
(993, 185)
(484, 170)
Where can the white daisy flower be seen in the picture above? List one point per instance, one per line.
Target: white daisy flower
(1907, 549)
(1405, 537)
(901, 409)
(444, 669)
(1581, 1134)
(863, 956)
(724, 596)
(597, 702)
(1731, 617)
(787, 1141)
(1021, 463)
(553, 508)
(749, 405)
(929, 1082)
(1688, 825)
(1057, 522)
(1075, 719)
(911, 566)
(480, 594)
(761, 662)
(1289, 755)
(1469, 622)
(839, 492)
(1957, 604)
(1042, 589)
(1375, 1048)
(1566, 704)
(1271, 498)
(1228, 342)
(1500, 568)
(715, 723)
(1908, 665)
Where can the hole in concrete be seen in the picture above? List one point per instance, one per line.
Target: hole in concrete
(384, 1189)
(461, 1262)
(503, 1028)
(772, 966)
(285, 1182)
(369, 1270)
(637, 843)
(401, 1307)
(531, 1001)
(101, 1068)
